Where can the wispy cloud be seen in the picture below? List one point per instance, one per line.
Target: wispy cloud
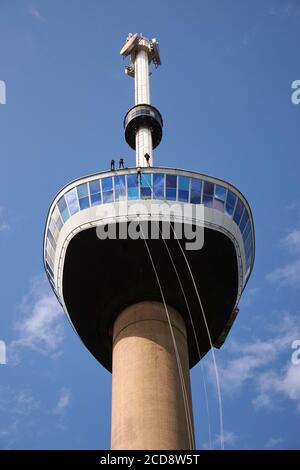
(273, 443)
(40, 326)
(3, 222)
(63, 401)
(249, 297)
(230, 441)
(285, 9)
(21, 402)
(259, 362)
(292, 241)
(289, 274)
(22, 412)
(34, 12)
(284, 384)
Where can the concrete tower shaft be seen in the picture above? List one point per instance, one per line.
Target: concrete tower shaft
(150, 408)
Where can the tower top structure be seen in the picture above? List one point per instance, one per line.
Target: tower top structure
(143, 123)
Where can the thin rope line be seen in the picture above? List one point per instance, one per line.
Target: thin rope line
(186, 405)
(196, 338)
(193, 327)
(211, 345)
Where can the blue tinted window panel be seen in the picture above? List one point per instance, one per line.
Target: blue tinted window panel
(208, 188)
(132, 186)
(62, 204)
(132, 193)
(171, 194)
(146, 189)
(84, 203)
(108, 196)
(82, 191)
(120, 188)
(238, 212)
(207, 200)
(171, 181)
(146, 180)
(49, 270)
(246, 231)
(145, 193)
(183, 188)
(72, 200)
(52, 225)
(63, 209)
(183, 195)
(51, 239)
(244, 220)
(132, 181)
(220, 192)
(158, 186)
(95, 199)
(107, 184)
(94, 186)
(219, 205)
(196, 188)
(230, 203)
(59, 223)
(183, 183)
(248, 244)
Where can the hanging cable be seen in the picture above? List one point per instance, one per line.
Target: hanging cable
(195, 336)
(210, 342)
(182, 382)
(193, 328)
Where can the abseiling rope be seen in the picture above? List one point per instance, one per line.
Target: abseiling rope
(183, 386)
(195, 336)
(211, 345)
(194, 333)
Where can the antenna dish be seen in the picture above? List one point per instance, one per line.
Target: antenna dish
(129, 45)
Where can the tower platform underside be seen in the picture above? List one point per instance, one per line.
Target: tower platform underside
(95, 296)
(95, 279)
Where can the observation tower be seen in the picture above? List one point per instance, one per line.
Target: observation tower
(149, 264)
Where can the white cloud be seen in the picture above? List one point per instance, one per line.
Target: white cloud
(273, 443)
(259, 362)
(288, 275)
(292, 241)
(63, 401)
(286, 9)
(3, 223)
(229, 437)
(285, 383)
(19, 403)
(40, 325)
(249, 297)
(34, 12)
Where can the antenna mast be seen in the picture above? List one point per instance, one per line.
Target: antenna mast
(143, 122)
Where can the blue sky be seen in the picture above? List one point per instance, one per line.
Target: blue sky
(224, 90)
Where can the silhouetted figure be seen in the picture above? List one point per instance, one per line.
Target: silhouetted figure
(121, 163)
(147, 156)
(112, 165)
(139, 175)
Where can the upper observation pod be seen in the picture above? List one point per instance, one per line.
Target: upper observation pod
(143, 123)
